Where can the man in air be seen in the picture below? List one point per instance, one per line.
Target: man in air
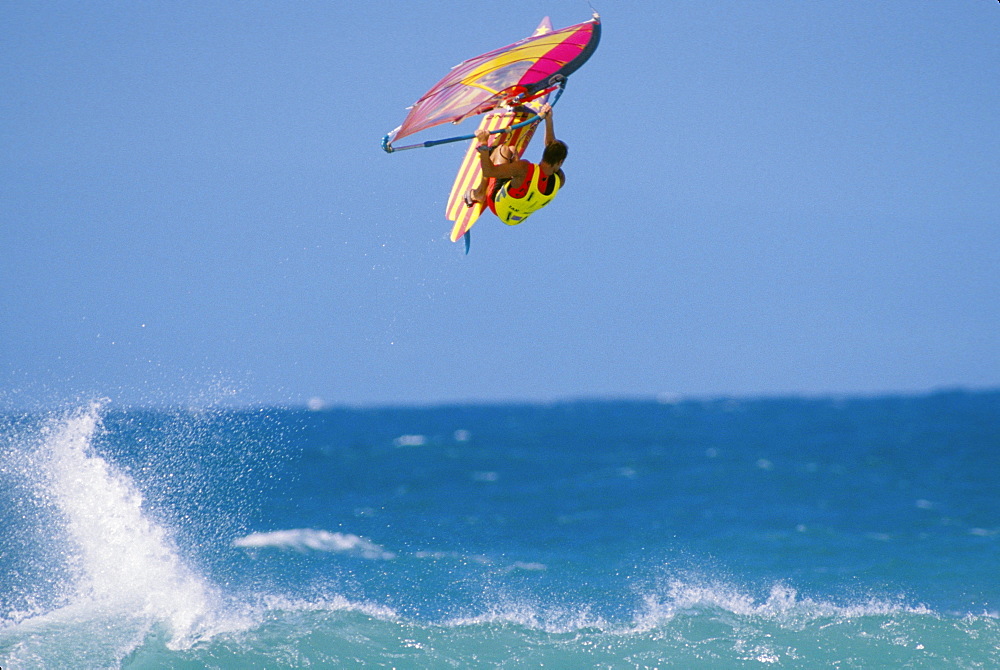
(513, 188)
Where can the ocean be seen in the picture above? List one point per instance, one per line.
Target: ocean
(840, 532)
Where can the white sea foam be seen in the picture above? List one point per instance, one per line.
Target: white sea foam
(306, 539)
(783, 604)
(410, 441)
(455, 556)
(485, 476)
(782, 608)
(549, 618)
(334, 603)
(527, 566)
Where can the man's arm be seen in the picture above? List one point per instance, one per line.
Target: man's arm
(550, 132)
(515, 170)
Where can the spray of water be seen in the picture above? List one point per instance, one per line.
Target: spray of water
(123, 561)
(126, 578)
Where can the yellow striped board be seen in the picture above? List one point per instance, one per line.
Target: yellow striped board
(470, 172)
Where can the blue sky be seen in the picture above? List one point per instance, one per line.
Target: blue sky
(763, 198)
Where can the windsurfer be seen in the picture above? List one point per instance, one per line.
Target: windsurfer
(513, 188)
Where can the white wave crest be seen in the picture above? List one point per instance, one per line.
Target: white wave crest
(783, 604)
(306, 539)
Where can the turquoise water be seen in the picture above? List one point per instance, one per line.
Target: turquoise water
(800, 533)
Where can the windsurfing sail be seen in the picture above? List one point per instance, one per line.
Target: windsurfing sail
(505, 77)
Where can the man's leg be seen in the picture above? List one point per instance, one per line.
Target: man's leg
(502, 153)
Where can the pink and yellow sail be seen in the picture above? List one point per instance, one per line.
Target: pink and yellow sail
(507, 76)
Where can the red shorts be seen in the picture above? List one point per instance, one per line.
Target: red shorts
(492, 188)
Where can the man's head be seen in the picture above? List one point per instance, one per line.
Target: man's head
(555, 153)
